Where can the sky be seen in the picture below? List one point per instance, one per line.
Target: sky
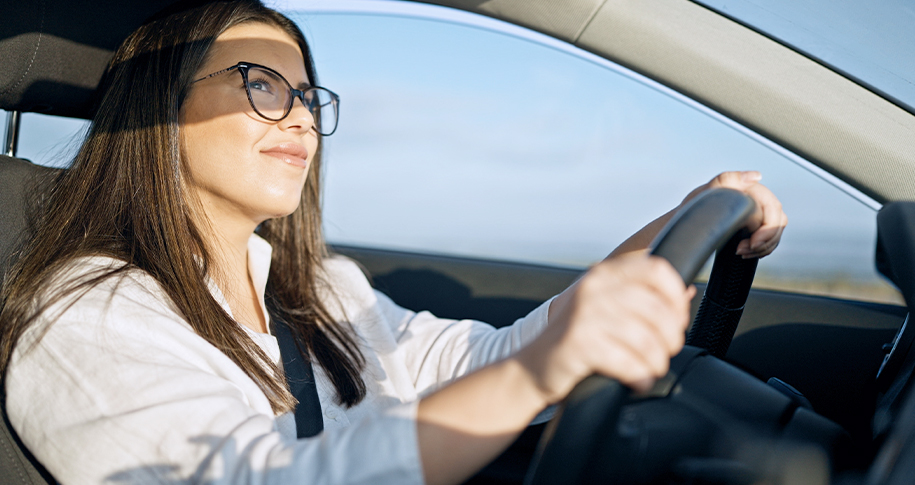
(461, 140)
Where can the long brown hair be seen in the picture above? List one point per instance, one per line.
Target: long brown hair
(123, 197)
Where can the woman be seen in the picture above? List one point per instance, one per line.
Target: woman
(136, 344)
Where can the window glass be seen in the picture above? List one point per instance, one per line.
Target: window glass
(465, 141)
(460, 140)
(48, 140)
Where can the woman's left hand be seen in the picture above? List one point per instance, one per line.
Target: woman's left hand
(768, 221)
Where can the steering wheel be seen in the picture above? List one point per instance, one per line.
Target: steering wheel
(592, 409)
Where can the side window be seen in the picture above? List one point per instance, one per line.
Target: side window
(460, 140)
(48, 140)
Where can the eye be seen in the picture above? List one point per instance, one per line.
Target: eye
(261, 85)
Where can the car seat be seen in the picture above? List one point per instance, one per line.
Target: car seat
(54, 53)
(18, 178)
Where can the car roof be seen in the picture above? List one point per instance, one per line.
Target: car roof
(843, 125)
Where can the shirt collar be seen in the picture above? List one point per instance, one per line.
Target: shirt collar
(259, 256)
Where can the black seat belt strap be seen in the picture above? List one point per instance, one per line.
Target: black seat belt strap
(301, 379)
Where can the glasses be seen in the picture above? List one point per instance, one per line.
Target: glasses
(271, 96)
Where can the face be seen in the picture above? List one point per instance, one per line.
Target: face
(243, 168)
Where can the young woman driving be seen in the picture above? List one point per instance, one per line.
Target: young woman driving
(137, 342)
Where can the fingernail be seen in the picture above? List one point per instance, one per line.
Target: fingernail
(751, 176)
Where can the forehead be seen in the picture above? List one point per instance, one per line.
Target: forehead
(261, 44)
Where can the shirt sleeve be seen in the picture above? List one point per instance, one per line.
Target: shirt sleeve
(121, 390)
(439, 350)
(434, 350)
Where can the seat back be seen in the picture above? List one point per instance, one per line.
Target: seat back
(54, 53)
(19, 179)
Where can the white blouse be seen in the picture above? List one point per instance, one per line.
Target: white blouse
(122, 390)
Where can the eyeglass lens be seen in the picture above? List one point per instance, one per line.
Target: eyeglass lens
(270, 95)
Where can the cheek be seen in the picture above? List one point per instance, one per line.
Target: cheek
(226, 170)
(224, 165)
(217, 149)
(215, 130)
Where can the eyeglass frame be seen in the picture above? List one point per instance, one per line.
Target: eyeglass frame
(243, 68)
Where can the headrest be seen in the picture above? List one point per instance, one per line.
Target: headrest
(895, 255)
(55, 51)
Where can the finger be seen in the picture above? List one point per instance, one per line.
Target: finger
(653, 300)
(743, 248)
(661, 275)
(732, 180)
(667, 282)
(767, 241)
(766, 223)
(771, 230)
(650, 311)
(623, 364)
(764, 250)
(667, 315)
(764, 240)
(642, 342)
(768, 249)
(658, 325)
(737, 180)
(641, 386)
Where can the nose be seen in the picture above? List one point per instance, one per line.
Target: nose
(299, 118)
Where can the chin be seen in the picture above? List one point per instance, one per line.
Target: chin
(262, 212)
(285, 211)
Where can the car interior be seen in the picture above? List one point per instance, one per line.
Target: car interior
(775, 387)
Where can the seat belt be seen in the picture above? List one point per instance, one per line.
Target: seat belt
(301, 380)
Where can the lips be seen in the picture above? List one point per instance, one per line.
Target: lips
(291, 153)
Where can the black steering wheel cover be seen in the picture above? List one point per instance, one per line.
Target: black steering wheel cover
(700, 228)
(725, 296)
(594, 405)
(590, 412)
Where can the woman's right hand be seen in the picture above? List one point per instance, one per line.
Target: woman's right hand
(624, 319)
